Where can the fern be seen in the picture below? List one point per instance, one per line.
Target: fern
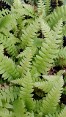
(26, 90)
(63, 113)
(8, 70)
(52, 98)
(57, 15)
(25, 64)
(31, 46)
(29, 34)
(47, 6)
(10, 45)
(41, 8)
(46, 49)
(61, 60)
(46, 86)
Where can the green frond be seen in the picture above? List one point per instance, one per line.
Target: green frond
(8, 69)
(30, 33)
(61, 60)
(52, 98)
(49, 50)
(63, 113)
(9, 2)
(20, 9)
(41, 8)
(47, 6)
(29, 9)
(58, 29)
(17, 3)
(38, 104)
(4, 112)
(1, 49)
(31, 44)
(28, 114)
(8, 95)
(10, 45)
(58, 32)
(3, 13)
(52, 115)
(64, 30)
(46, 86)
(59, 12)
(26, 92)
(19, 108)
(25, 63)
(31, 50)
(5, 21)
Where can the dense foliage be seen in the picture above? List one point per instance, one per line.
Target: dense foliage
(31, 47)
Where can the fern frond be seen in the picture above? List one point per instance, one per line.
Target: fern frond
(29, 9)
(30, 33)
(49, 50)
(59, 12)
(9, 2)
(41, 8)
(5, 113)
(64, 30)
(1, 49)
(38, 104)
(63, 113)
(8, 69)
(46, 86)
(47, 6)
(58, 29)
(61, 60)
(20, 9)
(7, 95)
(19, 108)
(5, 21)
(52, 98)
(25, 63)
(3, 13)
(10, 45)
(26, 92)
